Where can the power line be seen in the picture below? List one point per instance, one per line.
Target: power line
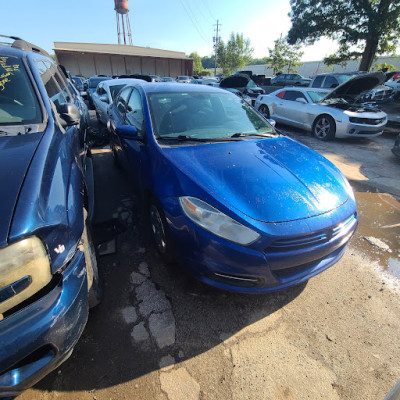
(194, 24)
(208, 9)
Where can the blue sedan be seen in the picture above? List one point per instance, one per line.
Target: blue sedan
(238, 205)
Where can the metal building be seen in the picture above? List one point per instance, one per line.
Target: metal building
(90, 59)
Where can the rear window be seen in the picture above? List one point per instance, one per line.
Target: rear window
(93, 82)
(18, 102)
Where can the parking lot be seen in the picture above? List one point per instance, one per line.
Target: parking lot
(160, 335)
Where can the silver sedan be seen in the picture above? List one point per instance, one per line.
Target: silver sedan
(325, 115)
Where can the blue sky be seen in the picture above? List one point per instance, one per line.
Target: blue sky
(182, 25)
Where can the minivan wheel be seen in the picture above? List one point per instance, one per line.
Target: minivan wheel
(95, 290)
(324, 128)
(264, 110)
(160, 232)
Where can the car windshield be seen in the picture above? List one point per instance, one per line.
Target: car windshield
(93, 82)
(344, 78)
(77, 80)
(183, 77)
(317, 96)
(18, 102)
(251, 84)
(114, 90)
(204, 115)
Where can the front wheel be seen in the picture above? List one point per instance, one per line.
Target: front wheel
(324, 128)
(160, 232)
(264, 110)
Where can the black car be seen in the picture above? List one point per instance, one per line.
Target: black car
(244, 84)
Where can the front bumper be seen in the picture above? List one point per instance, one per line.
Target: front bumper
(351, 129)
(38, 338)
(259, 268)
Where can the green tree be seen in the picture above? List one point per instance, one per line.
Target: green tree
(362, 27)
(197, 65)
(208, 62)
(235, 54)
(283, 55)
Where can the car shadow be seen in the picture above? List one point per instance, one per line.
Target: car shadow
(106, 354)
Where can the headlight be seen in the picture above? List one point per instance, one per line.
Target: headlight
(216, 222)
(24, 270)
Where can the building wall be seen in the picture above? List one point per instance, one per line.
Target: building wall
(311, 68)
(110, 64)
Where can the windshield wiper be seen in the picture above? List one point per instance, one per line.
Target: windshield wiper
(185, 138)
(245, 134)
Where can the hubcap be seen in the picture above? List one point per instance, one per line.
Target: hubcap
(264, 111)
(322, 128)
(158, 229)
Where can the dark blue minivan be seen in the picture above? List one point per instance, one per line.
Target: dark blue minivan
(48, 270)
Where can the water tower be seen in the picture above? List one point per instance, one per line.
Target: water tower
(123, 24)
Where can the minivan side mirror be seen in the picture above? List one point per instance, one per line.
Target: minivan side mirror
(127, 132)
(69, 114)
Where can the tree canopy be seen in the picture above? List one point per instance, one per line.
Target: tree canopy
(197, 65)
(234, 54)
(363, 28)
(283, 55)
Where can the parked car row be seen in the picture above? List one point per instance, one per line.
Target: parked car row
(328, 114)
(239, 205)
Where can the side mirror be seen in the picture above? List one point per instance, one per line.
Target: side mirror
(272, 122)
(127, 132)
(104, 98)
(69, 113)
(302, 100)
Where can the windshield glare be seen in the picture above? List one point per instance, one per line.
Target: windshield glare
(203, 115)
(18, 102)
(317, 96)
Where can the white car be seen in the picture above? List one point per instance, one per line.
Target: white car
(394, 83)
(105, 93)
(327, 114)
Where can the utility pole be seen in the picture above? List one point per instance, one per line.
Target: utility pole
(216, 40)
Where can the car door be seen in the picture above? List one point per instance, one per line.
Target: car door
(291, 111)
(135, 149)
(117, 118)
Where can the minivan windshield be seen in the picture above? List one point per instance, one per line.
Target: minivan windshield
(18, 102)
(205, 116)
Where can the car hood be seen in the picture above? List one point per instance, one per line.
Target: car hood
(235, 81)
(357, 85)
(16, 155)
(269, 180)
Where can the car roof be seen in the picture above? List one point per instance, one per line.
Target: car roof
(123, 81)
(157, 87)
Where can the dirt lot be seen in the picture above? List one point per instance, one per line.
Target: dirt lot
(160, 335)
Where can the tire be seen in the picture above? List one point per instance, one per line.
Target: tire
(117, 163)
(264, 111)
(95, 290)
(324, 128)
(160, 232)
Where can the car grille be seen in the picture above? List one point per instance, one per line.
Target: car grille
(367, 121)
(313, 240)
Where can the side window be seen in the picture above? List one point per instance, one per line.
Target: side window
(318, 81)
(330, 82)
(53, 90)
(122, 100)
(99, 89)
(292, 95)
(281, 94)
(134, 110)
